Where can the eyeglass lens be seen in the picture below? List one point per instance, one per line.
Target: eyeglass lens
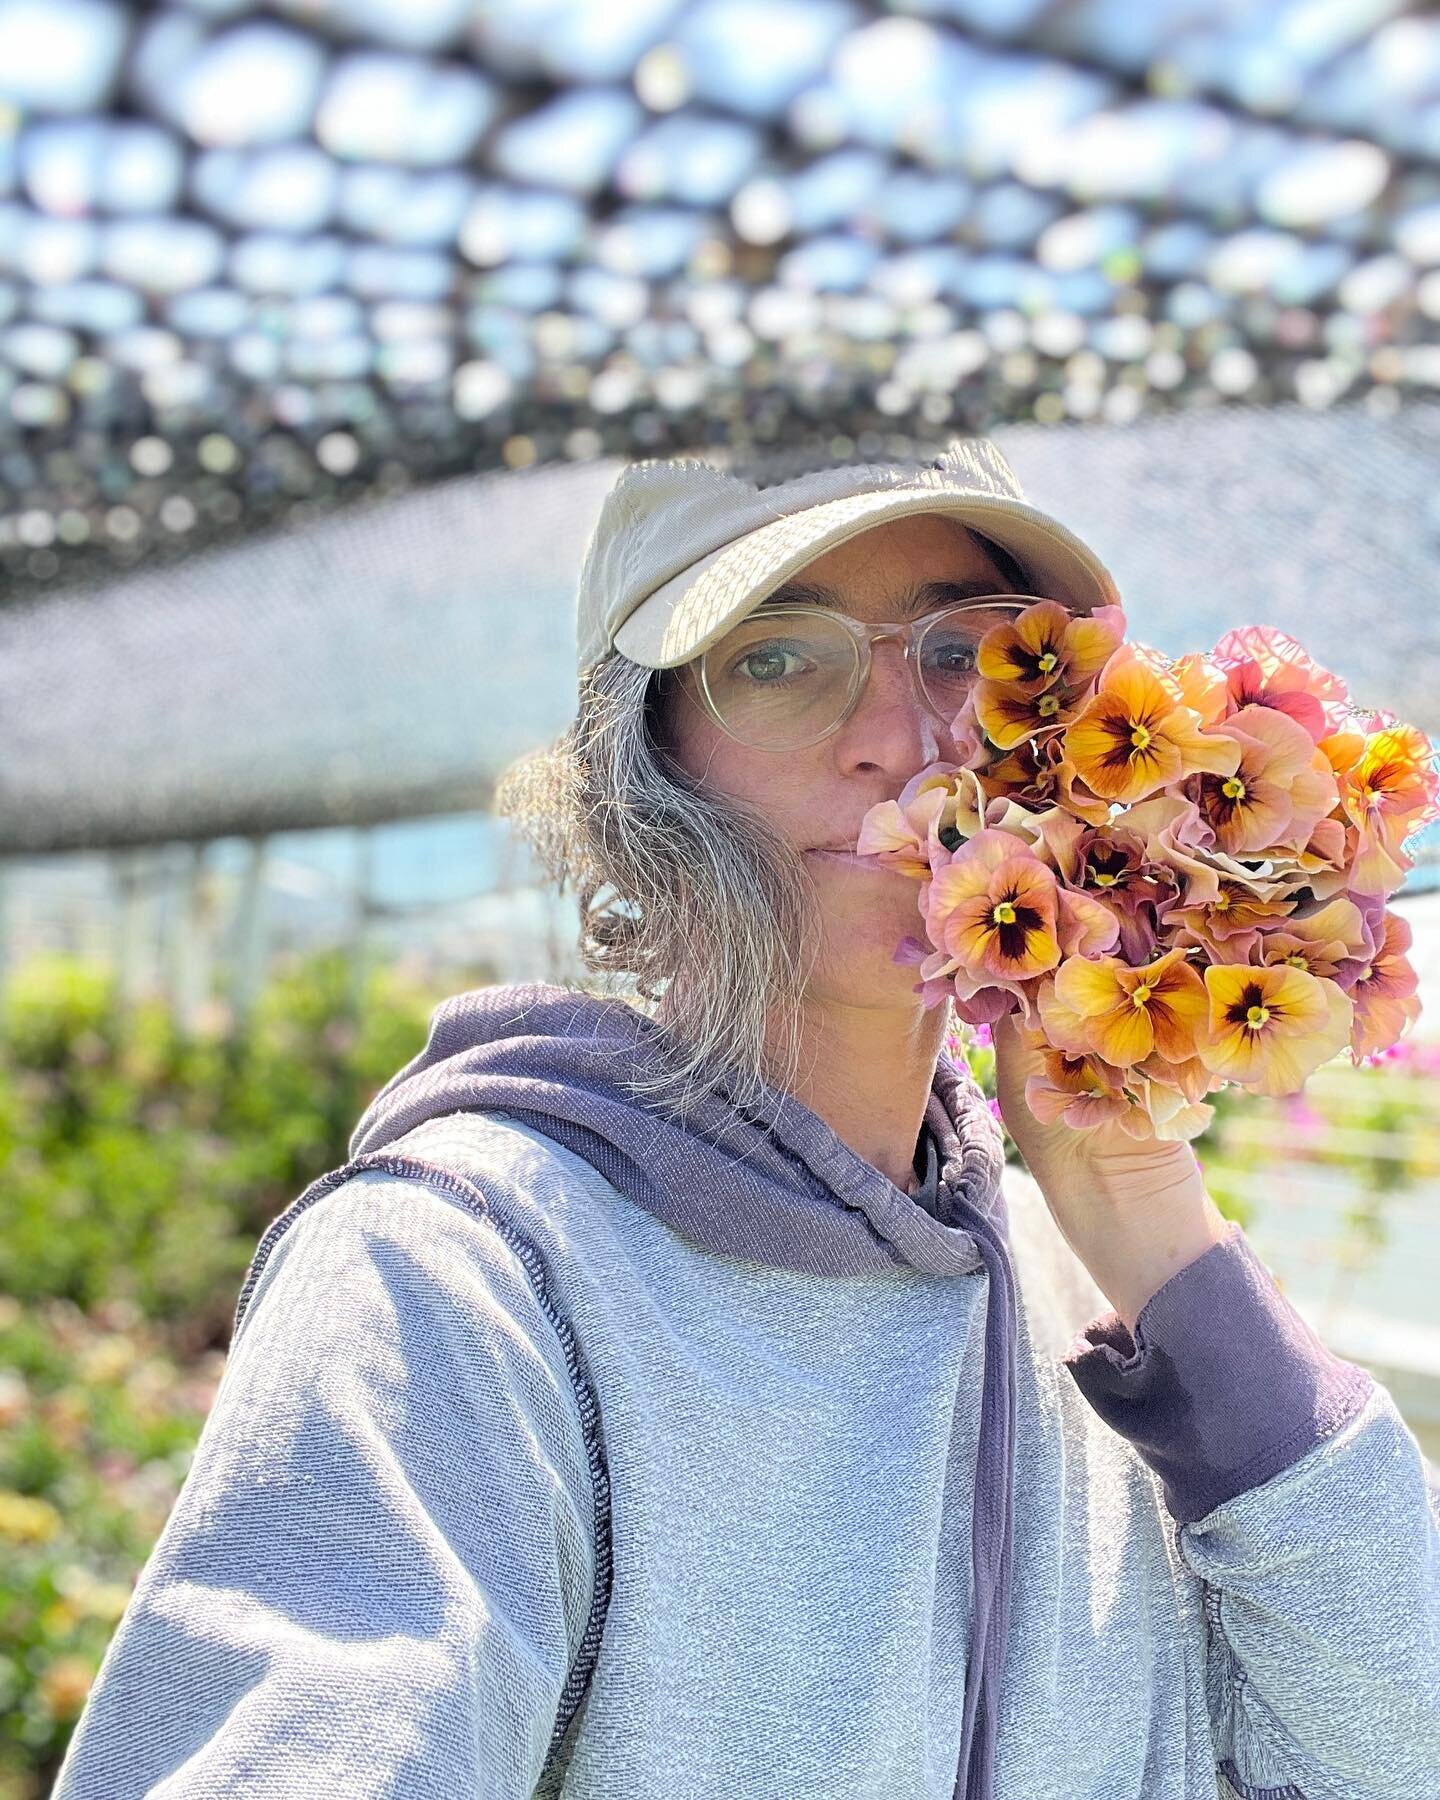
(780, 680)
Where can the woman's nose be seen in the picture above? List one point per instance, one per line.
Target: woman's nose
(893, 690)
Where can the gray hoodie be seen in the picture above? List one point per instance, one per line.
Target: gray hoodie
(564, 1447)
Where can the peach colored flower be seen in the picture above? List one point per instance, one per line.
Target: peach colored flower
(1265, 667)
(993, 908)
(1112, 864)
(1082, 1090)
(1280, 792)
(1319, 939)
(1272, 1027)
(1326, 858)
(1038, 773)
(1170, 1114)
(1228, 926)
(1389, 792)
(936, 810)
(1048, 646)
(1129, 1013)
(1203, 687)
(1011, 712)
(1384, 994)
(1137, 735)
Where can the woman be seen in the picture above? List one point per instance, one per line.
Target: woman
(664, 1400)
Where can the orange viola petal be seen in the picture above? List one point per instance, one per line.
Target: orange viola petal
(1117, 756)
(1124, 1035)
(1272, 1026)
(1009, 715)
(1089, 645)
(1026, 650)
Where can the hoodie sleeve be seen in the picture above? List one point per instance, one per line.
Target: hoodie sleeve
(1305, 1507)
(381, 1563)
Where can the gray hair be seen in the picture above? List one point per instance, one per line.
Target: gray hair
(690, 895)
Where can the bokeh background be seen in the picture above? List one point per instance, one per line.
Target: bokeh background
(324, 327)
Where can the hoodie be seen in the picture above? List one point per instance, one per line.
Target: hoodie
(782, 1190)
(633, 1455)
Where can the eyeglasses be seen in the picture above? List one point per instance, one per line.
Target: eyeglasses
(787, 676)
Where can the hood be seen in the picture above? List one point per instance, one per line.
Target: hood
(776, 1186)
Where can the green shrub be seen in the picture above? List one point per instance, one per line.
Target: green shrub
(141, 1163)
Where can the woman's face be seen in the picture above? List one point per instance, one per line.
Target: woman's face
(820, 794)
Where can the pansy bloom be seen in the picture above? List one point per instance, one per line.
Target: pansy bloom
(1271, 1027)
(1137, 735)
(1173, 871)
(1048, 646)
(994, 908)
(1129, 1013)
(1280, 791)
(1384, 991)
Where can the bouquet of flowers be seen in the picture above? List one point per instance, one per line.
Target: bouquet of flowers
(1174, 871)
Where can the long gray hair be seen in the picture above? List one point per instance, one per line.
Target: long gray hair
(685, 895)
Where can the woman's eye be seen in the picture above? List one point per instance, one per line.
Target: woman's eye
(770, 663)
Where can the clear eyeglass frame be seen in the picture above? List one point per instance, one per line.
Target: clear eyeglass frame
(908, 633)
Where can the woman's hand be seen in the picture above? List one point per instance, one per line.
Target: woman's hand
(1134, 1210)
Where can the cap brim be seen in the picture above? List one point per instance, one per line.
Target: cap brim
(695, 608)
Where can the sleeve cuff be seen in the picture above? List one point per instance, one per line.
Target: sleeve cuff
(1223, 1384)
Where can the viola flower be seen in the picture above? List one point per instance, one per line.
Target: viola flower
(1384, 994)
(1203, 687)
(1129, 1013)
(1137, 735)
(1010, 712)
(1223, 902)
(993, 907)
(1112, 865)
(1272, 1027)
(1064, 1028)
(1108, 862)
(1049, 646)
(1082, 1090)
(1389, 792)
(1038, 773)
(1188, 1076)
(1227, 926)
(1326, 858)
(1170, 1114)
(1281, 790)
(936, 811)
(1328, 940)
(1265, 667)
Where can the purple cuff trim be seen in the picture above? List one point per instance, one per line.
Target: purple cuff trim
(1223, 1385)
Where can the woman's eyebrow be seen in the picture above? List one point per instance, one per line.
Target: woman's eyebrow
(914, 601)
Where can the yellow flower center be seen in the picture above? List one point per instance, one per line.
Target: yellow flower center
(1297, 960)
(1222, 900)
(1234, 788)
(1049, 705)
(1004, 913)
(1367, 972)
(1141, 994)
(1048, 662)
(1140, 737)
(1102, 880)
(1257, 1016)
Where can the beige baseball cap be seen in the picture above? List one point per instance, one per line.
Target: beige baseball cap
(682, 549)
